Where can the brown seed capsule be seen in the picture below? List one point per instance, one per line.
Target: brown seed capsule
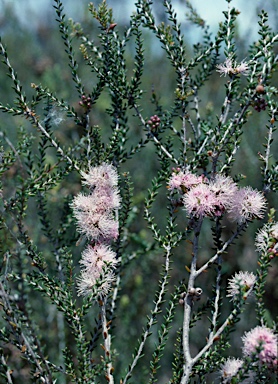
(260, 89)
(111, 27)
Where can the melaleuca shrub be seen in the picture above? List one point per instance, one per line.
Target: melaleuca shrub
(138, 230)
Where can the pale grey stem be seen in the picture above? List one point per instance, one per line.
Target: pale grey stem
(198, 116)
(216, 300)
(107, 343)
(188, 303)
(8, 374)
(220, 251)
(230, 158)
(266, 46)
(227, 105)
(12, 74)
(115, 294)
(268, 145)
(218, 333)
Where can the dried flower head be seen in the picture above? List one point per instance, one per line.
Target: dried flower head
(247, 205)
(262, 343)
(230, 368)
(240, 282)
(231, 68)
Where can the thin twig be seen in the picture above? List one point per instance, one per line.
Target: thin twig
(152, 318)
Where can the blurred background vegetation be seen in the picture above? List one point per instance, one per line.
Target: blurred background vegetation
(36, 51)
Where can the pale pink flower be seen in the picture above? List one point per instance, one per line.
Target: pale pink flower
(97, 264)
(87, 282)
(224, 188)
(261, 342)
(200, 201)
(241, 281)
(230, 368)
(92, 220)
(100, 227)
(248, 204)
(95, 258)
(184, 180)
(106, 199)
(103, 176)
(230, 67)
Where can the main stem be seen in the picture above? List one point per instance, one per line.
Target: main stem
(188, 303)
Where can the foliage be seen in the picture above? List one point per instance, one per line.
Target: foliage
(111, 111)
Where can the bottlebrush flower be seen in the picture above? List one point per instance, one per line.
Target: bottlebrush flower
(183, 181)
(93, 220)
(94, 258)
(261, 342)
(96, 219)
(224, 189)
(248, 204)
(200, 201)
(230, 368)
(96, 261)
(103, 176)
(86, 283)
(241, 281)
(230, 67)
(95, 213)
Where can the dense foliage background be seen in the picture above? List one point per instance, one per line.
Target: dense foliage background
(38, 55)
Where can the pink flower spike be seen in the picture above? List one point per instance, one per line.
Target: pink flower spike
(262, 342)
(247, 205)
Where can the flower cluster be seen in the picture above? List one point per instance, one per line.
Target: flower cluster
(241, 282)
(261, 342)
(215, 197)
(96, 219)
